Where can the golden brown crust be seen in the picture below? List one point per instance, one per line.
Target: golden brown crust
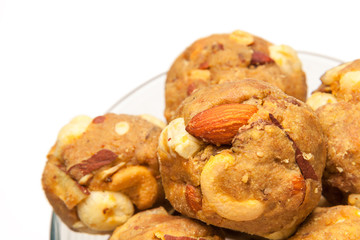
(219, 58)
(266, 165)
(157, 224)
(339, 222)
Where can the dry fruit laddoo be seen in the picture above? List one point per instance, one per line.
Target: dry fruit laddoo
(245, 156)
(102, 170)
(227, 57)
(337, 103)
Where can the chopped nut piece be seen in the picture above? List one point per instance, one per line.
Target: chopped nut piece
(299, 185)
(259, 58)
(333, 74)
(174, 139)
(340, 220)
(200, 74)
(340, 169)
(286, 57)
(349, 81)
(354, 200)
(193, 198)
(285, 161)
(245, 178)
(307, 156)
(122, 127)
(260, 154)
(70, 132)
(108, 172)
(242, 37)
(96, 161)
(319, 99)
(85, 179)
(63, 186)
(99, 119)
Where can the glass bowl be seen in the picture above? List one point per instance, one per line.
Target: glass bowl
(149, 98)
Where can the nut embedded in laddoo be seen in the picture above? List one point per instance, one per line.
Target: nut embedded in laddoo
(342, 82)
(337, 104)
(341, 126)
(229, 57)
(249, 158)
(101, 171)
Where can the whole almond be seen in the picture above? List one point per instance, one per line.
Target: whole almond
(219, 125)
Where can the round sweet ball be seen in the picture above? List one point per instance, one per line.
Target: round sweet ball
(227, 57)
(339, 222)
(341, 125)
(158, 224)
(337, 104)
(245, 156)
(102, 170)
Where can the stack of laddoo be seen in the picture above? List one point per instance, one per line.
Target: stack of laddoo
(241, 155)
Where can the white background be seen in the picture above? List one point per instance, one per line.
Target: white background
(62, 58)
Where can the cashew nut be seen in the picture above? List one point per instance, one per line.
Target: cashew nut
(224, 204)
(70, 132)
(286, 58)
(138, 183)
(333, 74)
(319, 99)
(350, 81)
(174, 139)
(122, 127)
(200, 74)
(242, 37)
(104, 211)
(354, 200)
